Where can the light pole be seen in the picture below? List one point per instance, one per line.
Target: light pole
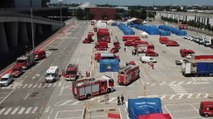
(60, 1)
(32, 27)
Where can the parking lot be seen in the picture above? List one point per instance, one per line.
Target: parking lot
(180, 96)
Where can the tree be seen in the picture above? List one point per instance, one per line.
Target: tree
(143, 14)
(80, 14)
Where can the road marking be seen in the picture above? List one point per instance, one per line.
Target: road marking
(164, 96)
(206, 95)
(28, 110)
(8, 110)
(50, 85)
(62, 88)
(181, 95)
(180, 83)
(15, 110)
(47, 109)
(2, 110)
(30, 85)
(34, 110)
(75, 102)
(198, 95)
(25, 85)
(112, 99)
(54, 84)
(34, 85)
(66, 102)
(172, 83)
(40, 85)
(153, 84)
(171, 97)
(59, 84)
(189, 82)
(21, 110)
(27, 96)
(162, 83)
(6, 96)
(190, 95)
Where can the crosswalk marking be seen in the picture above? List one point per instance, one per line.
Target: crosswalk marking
(8, 110)
(163, 97)
(162, 83)
(34, 85)
(171, 97)
(178, 89)
(25, 85)
(49, 85)
(28, 110)
(21, 110)
(198, 95)
(181, 95)
(14, 111)
(190, 95)
(112, 99)
(34, 110)
(189, 82)
(2, 110)
(206, 95)
(180, 83)
(30, 85)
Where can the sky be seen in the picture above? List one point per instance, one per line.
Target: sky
(143, 2)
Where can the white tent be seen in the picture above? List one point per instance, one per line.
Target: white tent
(144, 34)
(109, 22)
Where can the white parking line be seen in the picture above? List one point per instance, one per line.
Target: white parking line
(6, 97)
(162, 83)
(29, 86)
(2, 110)
(189, 82)
(112, 99)
(198, 95)
(190, 95)
(181, 95)
(34, 85)
(164, 96)
(75, 102)
(171, 97)
(206, 95)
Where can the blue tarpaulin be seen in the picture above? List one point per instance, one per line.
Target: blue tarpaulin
(109, 65)
(143, 106)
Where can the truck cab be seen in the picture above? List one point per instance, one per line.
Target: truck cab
(71, 72)
(26, 60)
(206, 108)
(185, 52)
(17, 70)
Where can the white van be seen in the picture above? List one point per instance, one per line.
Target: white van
(52, 74)
(146, 59)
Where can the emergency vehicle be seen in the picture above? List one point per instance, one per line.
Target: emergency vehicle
(71, 72)
(16, 71)
(89, 87)
(128, 74)
(52, 74)
(26, 60)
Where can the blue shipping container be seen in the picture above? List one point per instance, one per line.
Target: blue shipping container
(143, 106)
(109, 65)
(204, 68)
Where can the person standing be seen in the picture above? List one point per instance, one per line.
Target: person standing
(122, 99)
(118, 100)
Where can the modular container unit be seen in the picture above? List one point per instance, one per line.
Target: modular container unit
(143, 106)
(125, 29)
(204, 68)
(173, 30)
(109, 65)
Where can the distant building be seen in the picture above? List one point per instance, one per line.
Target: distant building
(23, 3)
(201, 17)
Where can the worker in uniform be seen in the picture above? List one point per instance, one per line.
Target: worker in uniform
(118, 100)
(122, 99)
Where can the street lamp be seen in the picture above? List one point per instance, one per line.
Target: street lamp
(32, 27)
(60, 1)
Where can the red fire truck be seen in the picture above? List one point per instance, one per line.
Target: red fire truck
(128, 74)
(26, 61)
(71, 72)
(89, 87)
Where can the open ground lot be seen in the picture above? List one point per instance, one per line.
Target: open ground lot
(30, 97)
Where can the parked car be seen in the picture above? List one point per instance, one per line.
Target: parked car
(178, 62)
(172, 43)
(39, 54)
(206, 108)
(6, 80)
(147, 59)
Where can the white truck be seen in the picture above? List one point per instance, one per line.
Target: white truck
(147, 59)
(52, 74)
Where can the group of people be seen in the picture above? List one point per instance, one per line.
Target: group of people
(120, 100)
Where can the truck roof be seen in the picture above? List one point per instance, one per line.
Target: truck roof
(52, 69)
(22, 58)
(107, 55)
(199, 60)
(83, 81)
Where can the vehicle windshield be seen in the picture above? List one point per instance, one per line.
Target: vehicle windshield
(21, 61)
(50, 75)
(4, 79)
(71, 72)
